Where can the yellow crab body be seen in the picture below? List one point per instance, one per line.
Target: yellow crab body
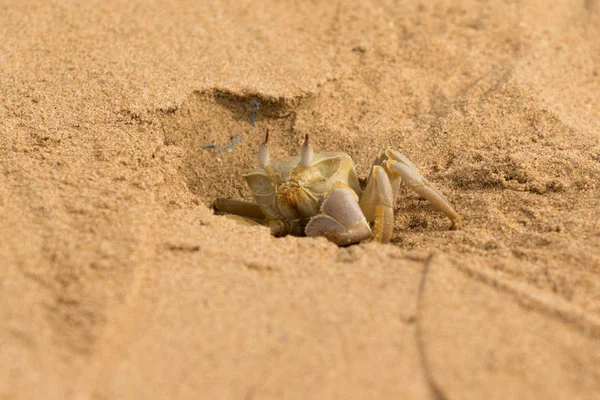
(290, 194)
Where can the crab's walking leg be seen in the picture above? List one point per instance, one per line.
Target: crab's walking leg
(341, 219)
(400, 166)
(239, 207)
(377, 204)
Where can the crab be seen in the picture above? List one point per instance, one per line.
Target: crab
(319, 194)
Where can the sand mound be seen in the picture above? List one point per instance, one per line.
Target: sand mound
(118, 281)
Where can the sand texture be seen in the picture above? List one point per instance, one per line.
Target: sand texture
(118, 281)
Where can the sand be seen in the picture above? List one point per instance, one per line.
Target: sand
(117, 281)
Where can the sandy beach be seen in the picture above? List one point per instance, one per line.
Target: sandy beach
(118, 281)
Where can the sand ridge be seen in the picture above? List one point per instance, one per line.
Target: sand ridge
(117, 281)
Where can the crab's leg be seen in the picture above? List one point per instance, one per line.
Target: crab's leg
(341, 219)
(239, 207)
(377, 204)
(400, 167)
(381, 160)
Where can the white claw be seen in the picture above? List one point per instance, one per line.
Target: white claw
(263, 153)
(341, 219)
(306, 153)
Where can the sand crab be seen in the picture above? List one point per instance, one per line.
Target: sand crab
(320, 195)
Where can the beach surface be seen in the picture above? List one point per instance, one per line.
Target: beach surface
(118, 281)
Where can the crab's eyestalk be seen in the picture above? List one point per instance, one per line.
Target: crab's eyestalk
(263, 152)
(306, 153)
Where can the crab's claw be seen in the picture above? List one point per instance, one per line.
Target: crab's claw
(341, 219)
